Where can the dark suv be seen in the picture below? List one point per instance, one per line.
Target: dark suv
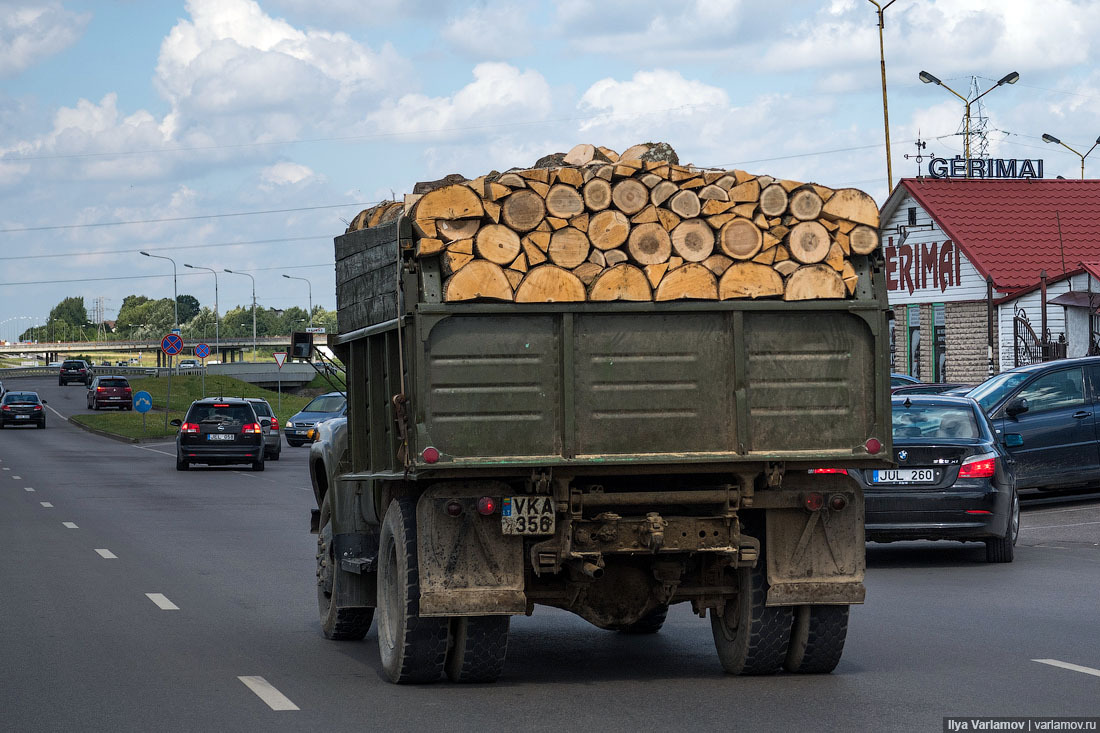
(1054, 405)
(74, 370)
(218, 431)
(110, 392)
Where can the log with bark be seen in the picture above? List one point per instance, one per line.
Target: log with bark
(596, 225)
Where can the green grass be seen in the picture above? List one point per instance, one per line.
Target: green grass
(319, 382)
(186, 388)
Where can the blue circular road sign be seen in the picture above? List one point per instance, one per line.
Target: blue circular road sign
(202, 351)
(171, 344)
(143, 401)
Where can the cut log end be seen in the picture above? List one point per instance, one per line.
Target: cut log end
(814, 282)
(476, 280)
(550, 284)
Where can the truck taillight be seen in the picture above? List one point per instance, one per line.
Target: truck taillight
(189, 427)
(486, 505)
(430, 455)
(979, 467)
(873, 445)
(838, 502)
(814, 501)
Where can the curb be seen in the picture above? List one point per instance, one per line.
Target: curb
(116, 436)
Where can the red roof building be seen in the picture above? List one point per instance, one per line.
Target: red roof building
(945, 240)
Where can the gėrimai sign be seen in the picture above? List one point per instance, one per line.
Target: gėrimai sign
(985, 168)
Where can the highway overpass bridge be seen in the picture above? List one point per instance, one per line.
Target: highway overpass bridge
(226, 350)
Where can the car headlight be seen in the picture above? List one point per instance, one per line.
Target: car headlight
(289, 424)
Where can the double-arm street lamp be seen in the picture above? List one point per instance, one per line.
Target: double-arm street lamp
(231, 272)
(1051, 139)
(310, 285)
(927, 78)
(175, 292)
(217, 335)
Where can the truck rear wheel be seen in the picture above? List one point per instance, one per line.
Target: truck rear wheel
(817, 639)
(752, 638)
(479, 645)
(651, 623)
(337, 623)
(413, 649)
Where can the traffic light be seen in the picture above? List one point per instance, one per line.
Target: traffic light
(301, 345)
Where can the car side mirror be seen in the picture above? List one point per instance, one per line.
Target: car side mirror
(176, 423)
(1013, 440)
(265, 423)
(1015, 407)
(45, 402)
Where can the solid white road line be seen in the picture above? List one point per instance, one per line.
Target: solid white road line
(46, 504)
(154, 450)
(162, 602)
(263, 689)
(1071, 667)
(1040, 512)
(63, 417)
(107, 555)
(70, 525)
(6, 468)
(1056, 526)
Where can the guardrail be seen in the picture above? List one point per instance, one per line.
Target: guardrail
(43, 371)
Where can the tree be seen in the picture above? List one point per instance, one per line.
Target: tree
(70, 311)
(188, 307)
(127, 312)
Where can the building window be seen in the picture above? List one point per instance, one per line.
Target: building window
(913, 333)
(939, 352)
(912, 216)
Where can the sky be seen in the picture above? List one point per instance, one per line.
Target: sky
(244, 135)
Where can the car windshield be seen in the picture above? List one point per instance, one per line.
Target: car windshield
(261, 409)
(934, 421)
(325, 403)
(220, 414)
(994, 389)
(12, 398)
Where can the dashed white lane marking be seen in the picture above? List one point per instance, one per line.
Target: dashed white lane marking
(266, 692)
(70, 525)
(27, 488)
(17, 478)
(46, 504)
(6, 468)
(107, 555)
(1056, 526)
(163, 603)
(1071, 667)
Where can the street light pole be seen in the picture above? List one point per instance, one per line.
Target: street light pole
(231, 272)
(1051, 139)
(1010, 78)
(217, 335)
(885, 107)
(310, 285)
(175, 291)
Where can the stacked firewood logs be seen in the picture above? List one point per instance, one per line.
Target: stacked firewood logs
(597, 226)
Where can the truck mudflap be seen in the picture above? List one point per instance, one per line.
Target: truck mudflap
(467, 566)
(815, 544)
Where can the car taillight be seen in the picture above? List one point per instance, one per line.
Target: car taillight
(829, 470)
(100, 389)
(252, 427)
(978, 468)
(189, 427)
(274, 423)
(127, 390)
(6, 408)
(38, 407)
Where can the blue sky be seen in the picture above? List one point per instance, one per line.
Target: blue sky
(144, 112)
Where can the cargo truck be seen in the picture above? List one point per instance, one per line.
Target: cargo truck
(610, 459)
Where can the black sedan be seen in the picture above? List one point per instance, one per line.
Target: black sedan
(22, 408)
(954, 480)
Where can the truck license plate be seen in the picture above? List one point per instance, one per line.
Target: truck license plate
(527, 515)
(905, 476)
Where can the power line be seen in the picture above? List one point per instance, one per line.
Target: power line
(183, 218)
(171, 248)
(148, 277)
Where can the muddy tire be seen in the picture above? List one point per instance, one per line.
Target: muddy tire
(479, 645)
(1003, 549)
(817, 639)
(339, 624)
(651, 623)
(413, 649)
(752, 638)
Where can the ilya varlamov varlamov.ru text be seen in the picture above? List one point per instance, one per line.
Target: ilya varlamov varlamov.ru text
(1024, 724)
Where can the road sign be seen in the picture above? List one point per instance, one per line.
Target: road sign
(280, 358)
(202, 351)
(143, 401)
(177, 331)
(171, 344)
(315, 329)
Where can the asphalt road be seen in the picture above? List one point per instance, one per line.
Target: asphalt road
(137, 598)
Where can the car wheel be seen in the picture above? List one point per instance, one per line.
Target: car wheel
(182, 465)
(275, 456)
(817, 639)
(258, 465)
(751, 637)
(340, 623)
(1003, 549)
(412, 648)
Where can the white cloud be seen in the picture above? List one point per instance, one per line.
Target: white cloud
(499, 95)
(285, 173)
(494, 30)
(658, 98)
(32, 32)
